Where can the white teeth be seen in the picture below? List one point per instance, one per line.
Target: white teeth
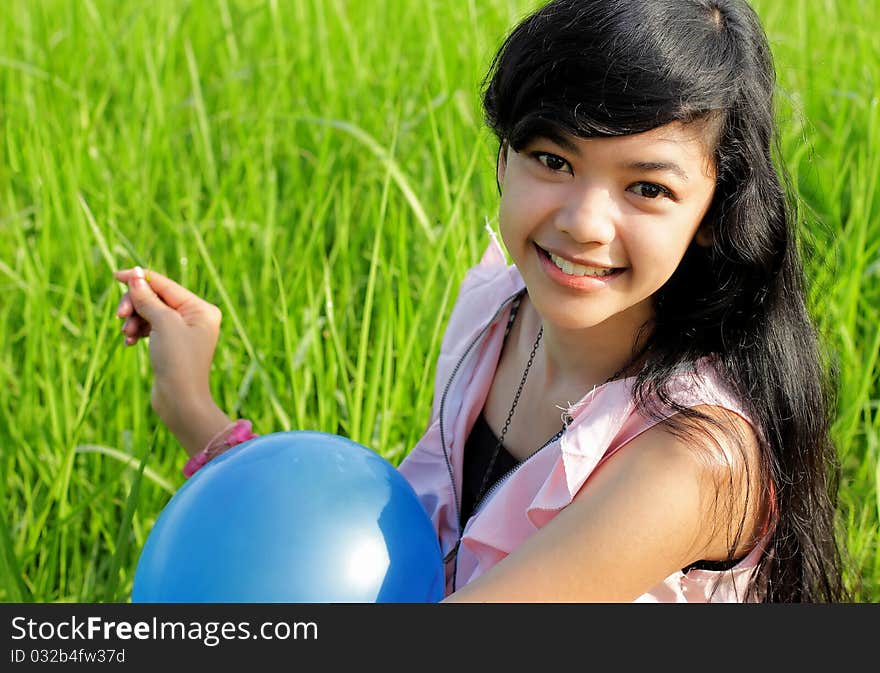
(577, 269)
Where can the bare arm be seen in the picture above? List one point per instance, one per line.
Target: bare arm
(196, 425)
(183, 330)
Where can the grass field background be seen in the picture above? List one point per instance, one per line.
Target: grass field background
(319, 169)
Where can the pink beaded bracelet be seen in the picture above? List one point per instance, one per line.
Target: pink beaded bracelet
(234, 433)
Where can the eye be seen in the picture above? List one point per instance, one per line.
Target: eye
(552, 162)
(650, 190)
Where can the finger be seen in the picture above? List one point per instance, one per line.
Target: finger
(125, 307)
(134, 332)
(124, 275)
(133, 325)
(167, 290)
(150, 306)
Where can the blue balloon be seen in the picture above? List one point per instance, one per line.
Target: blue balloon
(292, 517)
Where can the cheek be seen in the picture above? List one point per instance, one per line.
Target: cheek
(516, 213)
(656, 248)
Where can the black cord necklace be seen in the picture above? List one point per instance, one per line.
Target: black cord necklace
(500, 442)
(567, 419)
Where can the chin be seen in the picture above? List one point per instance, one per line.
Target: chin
(569, 315)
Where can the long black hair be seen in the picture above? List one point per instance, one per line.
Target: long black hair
(610, 68)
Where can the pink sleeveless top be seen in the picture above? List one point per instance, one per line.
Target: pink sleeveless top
(526, 499)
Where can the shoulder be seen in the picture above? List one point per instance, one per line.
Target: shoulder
(486, 286)
(492, 276)
(481, 293)
(708, 468)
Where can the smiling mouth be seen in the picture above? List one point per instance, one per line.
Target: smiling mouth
(576, 270)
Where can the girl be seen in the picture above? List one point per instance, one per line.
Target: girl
(656, 282)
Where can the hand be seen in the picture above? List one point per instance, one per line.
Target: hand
(183, 330)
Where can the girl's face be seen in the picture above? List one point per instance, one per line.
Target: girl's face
(597, 225)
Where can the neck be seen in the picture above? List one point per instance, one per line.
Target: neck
(564, 364)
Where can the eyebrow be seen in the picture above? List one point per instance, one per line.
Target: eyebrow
(658, 167)
(533, 129)
(559, 138)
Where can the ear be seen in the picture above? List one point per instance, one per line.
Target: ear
(704, 235)
(501, 163)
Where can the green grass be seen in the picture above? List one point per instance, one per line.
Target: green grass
(319, 169)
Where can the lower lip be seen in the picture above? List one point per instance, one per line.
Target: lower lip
(582, 283)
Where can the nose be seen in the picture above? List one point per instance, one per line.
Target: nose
(587, 215)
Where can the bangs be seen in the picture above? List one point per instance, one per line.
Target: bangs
(613, 69)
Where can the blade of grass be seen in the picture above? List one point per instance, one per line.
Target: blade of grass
(111, 589)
